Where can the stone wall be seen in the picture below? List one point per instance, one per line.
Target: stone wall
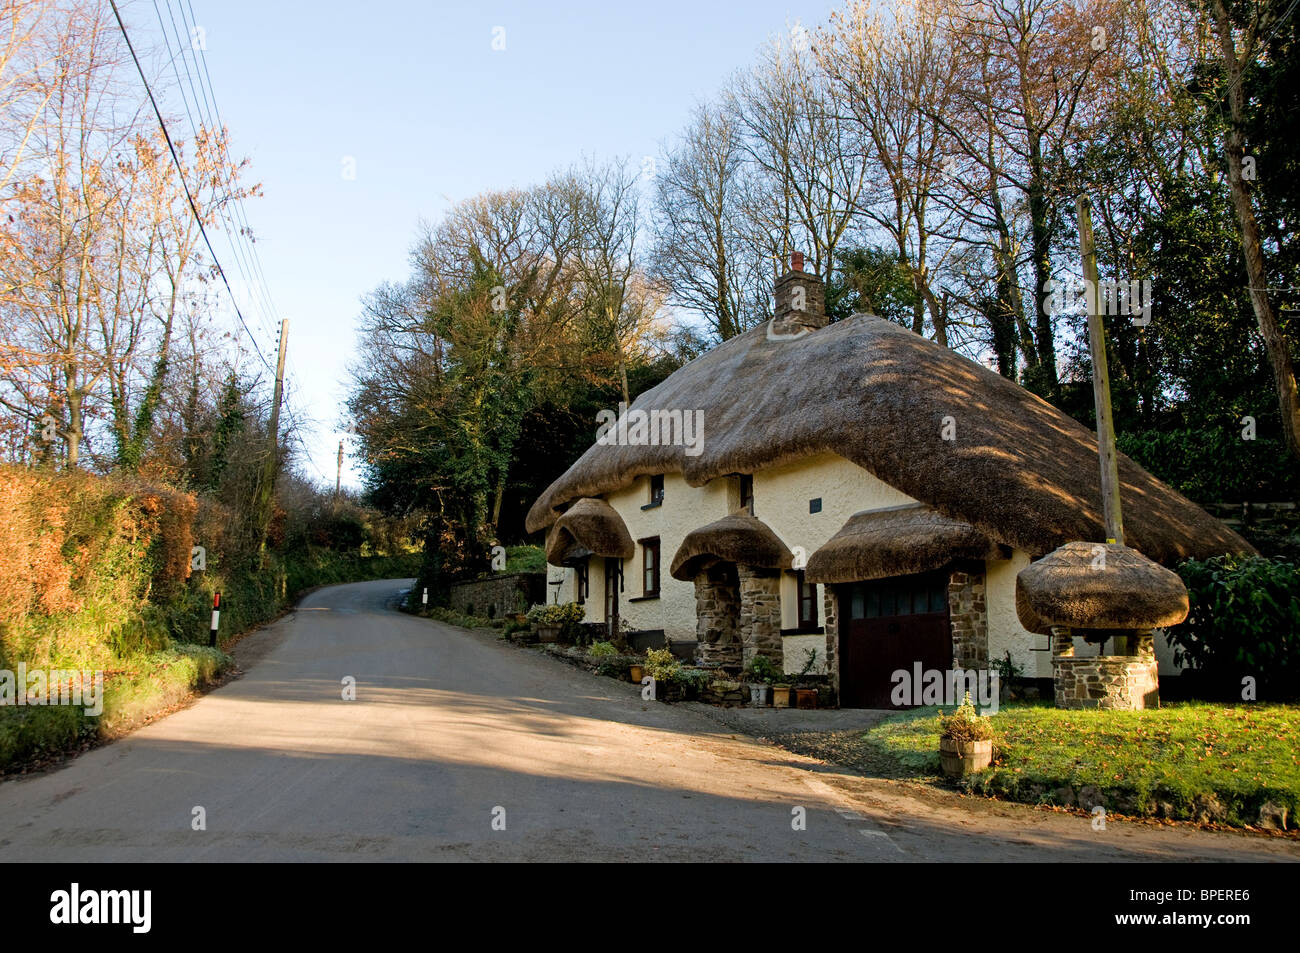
(1128, 682)
(717, 612)
(760, 613)
(500, 595)
(969, 618)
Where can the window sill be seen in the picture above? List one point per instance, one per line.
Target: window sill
(652, 504)
(805, 630)
(646, 598)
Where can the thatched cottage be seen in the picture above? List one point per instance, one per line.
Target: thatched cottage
(852, 488)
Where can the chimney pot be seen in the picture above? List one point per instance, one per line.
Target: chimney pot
(796, 261)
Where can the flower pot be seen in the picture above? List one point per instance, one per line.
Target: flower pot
(758, 695)
(780, 696)
(636, 672)
(960, 758)
(805, 698)
(548, 633)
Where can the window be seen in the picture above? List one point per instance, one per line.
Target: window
(650, 567)
(807, 602)
(657, 488)
(815, 505)
(583, 583)
(747, 493)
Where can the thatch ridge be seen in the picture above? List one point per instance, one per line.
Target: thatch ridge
(738, 538)
(1019, 470)
(591, 525)
(1098, 586)
(896, 541)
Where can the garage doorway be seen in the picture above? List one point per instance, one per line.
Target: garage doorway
(888, 625)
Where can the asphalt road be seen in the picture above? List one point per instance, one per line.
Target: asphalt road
(461, 747)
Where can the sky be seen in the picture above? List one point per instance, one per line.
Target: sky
(362, 119)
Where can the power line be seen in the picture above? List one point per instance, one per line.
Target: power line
(240, 256)
(180, 171)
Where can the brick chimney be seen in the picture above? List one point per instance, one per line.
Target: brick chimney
(800, 300)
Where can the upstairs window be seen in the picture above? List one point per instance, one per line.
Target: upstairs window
(650, 567)
(747, 493)
(656, 489)
(807, 602)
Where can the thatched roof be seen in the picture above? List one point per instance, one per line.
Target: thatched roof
(896, 541)
(1098, 586)
(738, 538)
(1019, 470)
(592, 526)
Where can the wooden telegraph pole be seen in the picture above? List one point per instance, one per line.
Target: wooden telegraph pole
(338, 474)
(266, 483)
(1110, 501)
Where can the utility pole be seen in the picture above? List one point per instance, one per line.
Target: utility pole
(279, 391)
(338, 474)
(1110, 500)
(266, 484)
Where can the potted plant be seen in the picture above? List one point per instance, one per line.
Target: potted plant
(551, 621)
(805, 693)
(636, 672)
(780, 695)
(965, 741)
(760, 675)
(662, 666)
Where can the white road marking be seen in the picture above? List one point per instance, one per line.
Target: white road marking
(828, 792)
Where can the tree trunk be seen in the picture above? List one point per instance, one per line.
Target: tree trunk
(1279, 356)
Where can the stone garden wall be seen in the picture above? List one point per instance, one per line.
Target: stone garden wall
(500, 595)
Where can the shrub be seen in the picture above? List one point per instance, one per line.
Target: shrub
(964, 724)
(662, 665)
(566, 613)
(1244, 621)
(602, 650)
(763, 670)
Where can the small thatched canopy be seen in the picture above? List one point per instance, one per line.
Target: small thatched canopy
(1019, 470)
(1098, 586)
(588, 528)
(738, 538)
(896, 541)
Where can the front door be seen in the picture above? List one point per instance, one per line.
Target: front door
(613, 579)
(890, 625)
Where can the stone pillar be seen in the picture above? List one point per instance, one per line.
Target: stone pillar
(760, 613)
(829, 608)
(717, 608)
(970, 620)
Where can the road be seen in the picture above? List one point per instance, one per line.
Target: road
(459, 746)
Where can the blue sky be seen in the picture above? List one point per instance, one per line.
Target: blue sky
(415, 95)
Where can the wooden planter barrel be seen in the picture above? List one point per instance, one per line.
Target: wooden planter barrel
(548, 633)
(960, 758)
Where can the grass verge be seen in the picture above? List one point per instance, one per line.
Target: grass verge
(1193, 761)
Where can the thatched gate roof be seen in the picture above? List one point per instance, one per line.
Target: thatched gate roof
(738, 538)
(588, 528)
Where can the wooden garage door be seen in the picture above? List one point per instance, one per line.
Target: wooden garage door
(891, 624)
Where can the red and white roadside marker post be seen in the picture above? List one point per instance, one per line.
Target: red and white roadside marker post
(216, 617)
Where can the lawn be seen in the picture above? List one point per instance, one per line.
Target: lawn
(1196, 761)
